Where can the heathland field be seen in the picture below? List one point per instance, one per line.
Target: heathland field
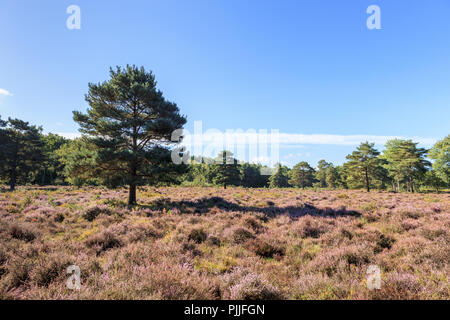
(210, 243)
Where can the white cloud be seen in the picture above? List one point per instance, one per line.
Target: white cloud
(289, 156)
(69, 135)
(297, 155)
(5, 92)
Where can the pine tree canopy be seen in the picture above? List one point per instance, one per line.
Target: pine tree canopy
(225, 170)
(131, 124)
(405, 162)
(364, 165)
(302, 175)
(440, 153)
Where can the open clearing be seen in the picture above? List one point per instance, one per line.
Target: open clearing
(210, 243)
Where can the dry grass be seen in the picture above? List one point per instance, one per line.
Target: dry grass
(208, 243)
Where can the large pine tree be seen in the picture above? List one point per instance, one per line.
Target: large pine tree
(131, 124)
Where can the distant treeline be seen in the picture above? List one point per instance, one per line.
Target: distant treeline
(30, 157)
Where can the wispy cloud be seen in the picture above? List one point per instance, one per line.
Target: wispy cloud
(69, 135)
(297, 155)
(5, 92)
(292, 139)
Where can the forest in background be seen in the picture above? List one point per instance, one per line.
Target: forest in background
(50, 159)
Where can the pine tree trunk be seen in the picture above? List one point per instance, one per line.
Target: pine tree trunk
(132, 194)
(43, 177)
(367, 181)
(12, 180)
(13, 172)
(132, 191)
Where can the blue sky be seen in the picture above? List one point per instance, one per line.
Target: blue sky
(302, 67)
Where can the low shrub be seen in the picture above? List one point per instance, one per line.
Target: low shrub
(19, 273)
(22, 233)
(91, 213)
(241, 235)
(143, 232)
(49, 270)
(398, 286)
(197, 235)
(346, 233)
(253, 224)
(59, 217)
(309, 227)
(265, 250)
(104, 241)
(213, 240)
(190, 246)
(383, 242)
(319, 286)
(369, 207)
(3, 257)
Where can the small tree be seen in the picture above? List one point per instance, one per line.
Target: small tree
(342, 173)
(440, 153)
(302, 175)
(432, 180)
(225, 170)
(20, 150)
(3, 142)
(50, 169)
(405, 162)
(321, 173)
(79, 161)
(251, 176)
(332, 177)
(131, 124)
(280, 178)
(364, 164)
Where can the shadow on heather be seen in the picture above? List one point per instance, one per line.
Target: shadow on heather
(204, 205)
